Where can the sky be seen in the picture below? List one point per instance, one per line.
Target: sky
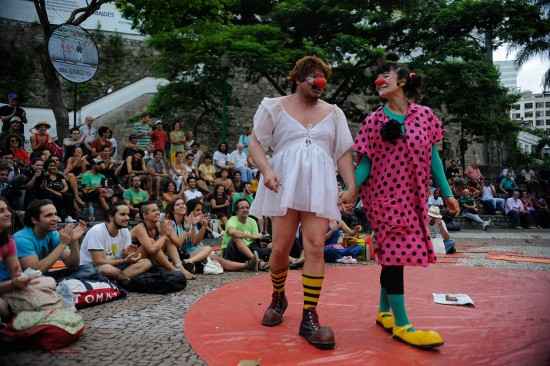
(530, 74)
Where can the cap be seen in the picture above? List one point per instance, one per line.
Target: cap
(42, 123)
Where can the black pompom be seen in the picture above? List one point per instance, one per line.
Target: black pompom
(391, 131)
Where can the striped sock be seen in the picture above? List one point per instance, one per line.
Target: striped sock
(278, 279)
(312, 290)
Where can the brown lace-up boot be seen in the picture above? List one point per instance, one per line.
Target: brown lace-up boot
(321, 337)
(274, 313)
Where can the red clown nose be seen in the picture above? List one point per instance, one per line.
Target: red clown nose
(379, 81)
(320, 82)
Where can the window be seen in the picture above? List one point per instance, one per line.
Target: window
(516, 107)
(528, 114)
(540, 122)
(548, 122)
(528, 106)
(538, 113)
(548, 113)
(518, 115)
(539, 105)
(547, 104)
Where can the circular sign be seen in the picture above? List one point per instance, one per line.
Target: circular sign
(73, 53)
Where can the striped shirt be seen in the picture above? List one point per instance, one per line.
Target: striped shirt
(143, 142)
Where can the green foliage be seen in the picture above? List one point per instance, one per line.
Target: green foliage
(202, 45)
(15, 73)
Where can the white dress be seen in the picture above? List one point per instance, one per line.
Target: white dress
(303, 158)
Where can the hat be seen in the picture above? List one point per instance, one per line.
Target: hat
(42, 123)
(12, 95)
(434, 212)
(157, 122)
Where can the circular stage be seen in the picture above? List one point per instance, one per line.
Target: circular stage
(509, 325)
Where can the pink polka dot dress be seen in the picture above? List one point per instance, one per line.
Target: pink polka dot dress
(395, 194)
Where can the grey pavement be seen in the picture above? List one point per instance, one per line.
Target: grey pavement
(149, 329)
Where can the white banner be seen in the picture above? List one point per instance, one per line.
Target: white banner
(108, 18)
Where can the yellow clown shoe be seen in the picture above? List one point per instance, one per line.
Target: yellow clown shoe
(385, 320)
(419, 338)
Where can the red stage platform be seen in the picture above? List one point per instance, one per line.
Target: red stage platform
(509, 325)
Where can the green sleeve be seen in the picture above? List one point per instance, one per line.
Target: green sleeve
(438, 174)
(362, 172)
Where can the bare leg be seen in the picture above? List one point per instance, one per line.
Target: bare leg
(73, 183)
(143, 265)
(200, 254)
(284, 232)
(174, 256)
(243, 248)
(313, 231)
(228, 265)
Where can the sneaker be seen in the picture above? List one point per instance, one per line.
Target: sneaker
(486, 225)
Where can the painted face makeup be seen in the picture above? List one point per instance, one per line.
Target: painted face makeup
(317, 81)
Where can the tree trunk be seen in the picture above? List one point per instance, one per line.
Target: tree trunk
(55, 94)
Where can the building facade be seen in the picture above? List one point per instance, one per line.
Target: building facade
(533, 111)
(508, 74)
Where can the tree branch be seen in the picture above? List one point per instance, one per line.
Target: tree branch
(86, 11)
(40, 6)
(274, 83)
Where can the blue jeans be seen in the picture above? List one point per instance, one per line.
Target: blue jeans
(333, 254)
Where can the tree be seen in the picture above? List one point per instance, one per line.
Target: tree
(51, 79)
(204, 44)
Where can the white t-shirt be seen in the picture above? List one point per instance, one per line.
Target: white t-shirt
(220, 159)
(487, 193)
(191, 194)
(98, 238)
(238, 159)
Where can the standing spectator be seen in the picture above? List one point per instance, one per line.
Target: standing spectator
(516, 212)
(105, 246)
(489, 200)
(88, 132)
(159, 137)
(72, 142)
(177, 141)
(470, 210)
(244, 139)
(135, 196)
(12, 109)
(142, 130)
(221, 158)
(40, 244)
(508, 184)
(158, 173)
(239, 159)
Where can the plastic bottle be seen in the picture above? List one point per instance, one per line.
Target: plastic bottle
(91, 212)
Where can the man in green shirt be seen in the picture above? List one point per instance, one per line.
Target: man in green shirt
(91, 183)
(241, 231)
(245, 194)
(134, 196)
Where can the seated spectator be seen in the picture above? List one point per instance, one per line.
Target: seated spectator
(223, 179)
(189, 140)
(508, 184)
(470, 209)
(220, 204)
(439, 233)
(186, 236)
(197, 155)
(239, 159)
(474, 174)
(131, 147)
(238, 183)
(41, 139)
(55, 188)
(192, 192)
(75, 166)
(14, 150)
(91, 183)
(88, 133)
(241, 231)
(179, 171)
(170, 193)
(150, 239)
(453, 170)
(245, 194)
(110, 166)
(528, 201)
(113, 141)
(134, 165)
(435, 199)
(334, 251)
(516, 212)
(542, 213)
(12, 111)
(177, 141)
(207, 170)
(135, 196)
(105, 247)
(102, 140)
(72, 142)
(15, 128)
(488, 199)
(221, 158)
(40, 244)
(33, 177)
(159, 137)
(158, 173)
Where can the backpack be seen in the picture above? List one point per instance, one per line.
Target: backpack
(157, 281)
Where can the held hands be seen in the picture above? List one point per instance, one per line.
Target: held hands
(452, 206)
